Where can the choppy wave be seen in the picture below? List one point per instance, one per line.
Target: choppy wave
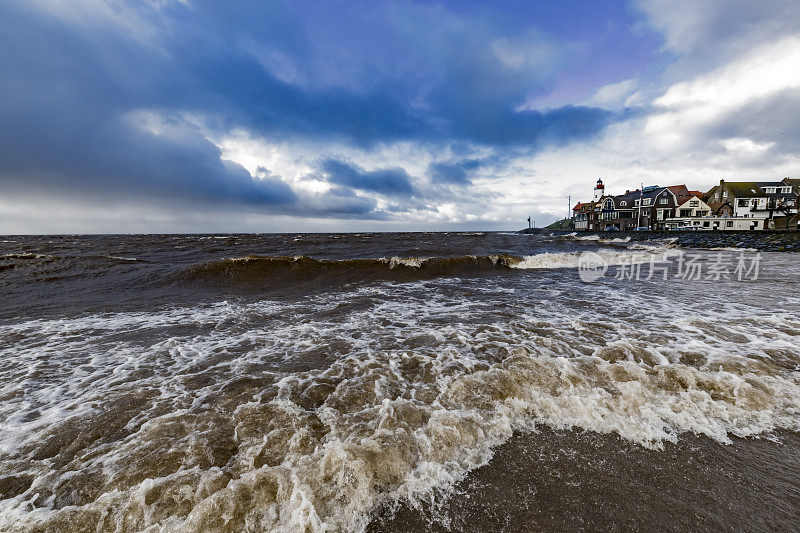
(259, 269)
(194, 419)
(309, 410)
(46, 257)
(86, 262)
(36, 267)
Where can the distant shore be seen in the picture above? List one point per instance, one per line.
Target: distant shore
(764, 241)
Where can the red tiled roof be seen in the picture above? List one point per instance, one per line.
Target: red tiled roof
(715, 207)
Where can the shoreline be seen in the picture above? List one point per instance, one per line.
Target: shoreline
(558, 480)
(763, 241)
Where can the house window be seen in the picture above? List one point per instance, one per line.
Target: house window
(742, 202)
(623, 203)
(729, 224)
(706, 224)
(694, 203)
(724, 194)
(646, 201)
(686, 212)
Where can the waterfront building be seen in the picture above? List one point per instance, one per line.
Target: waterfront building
(583, 216)
(643, 209)
(751, 199)
(696, 214)
(727, 206)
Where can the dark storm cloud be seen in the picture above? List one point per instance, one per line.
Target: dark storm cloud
(453, 171)
(66, 125)
(771, 119)
(403, 77)
(442, 172)
(460, 171)
(340, 202)
(78, 86)
(388, 181)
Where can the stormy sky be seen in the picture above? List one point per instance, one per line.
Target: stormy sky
(211, 116)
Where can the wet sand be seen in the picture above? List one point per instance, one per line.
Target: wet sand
(574, 480)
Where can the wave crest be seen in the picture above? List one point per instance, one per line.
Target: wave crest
(260, 269)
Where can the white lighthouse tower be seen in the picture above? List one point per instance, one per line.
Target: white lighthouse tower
(599, 190)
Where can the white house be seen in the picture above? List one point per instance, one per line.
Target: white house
(695, 214)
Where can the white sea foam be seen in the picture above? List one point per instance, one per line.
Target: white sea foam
(413, 262)
(595, 238)
(554, 260)
(731, 249)
(284, 416)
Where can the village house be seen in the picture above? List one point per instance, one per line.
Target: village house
(582, 215)
(586, 214)
(694, 213)
(767, 202)
(643, 209)
(727, 206)
(790, 220)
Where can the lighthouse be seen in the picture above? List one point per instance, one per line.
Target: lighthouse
(599, 190)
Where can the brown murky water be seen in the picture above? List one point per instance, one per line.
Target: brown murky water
(392, 382)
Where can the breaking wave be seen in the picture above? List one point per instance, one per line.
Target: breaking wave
(259, 269)
(208, 426)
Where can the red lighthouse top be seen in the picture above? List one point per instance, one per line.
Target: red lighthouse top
(599, 185)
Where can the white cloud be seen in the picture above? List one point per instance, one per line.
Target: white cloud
(688, 109)
(764, 71)
(616, 95)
